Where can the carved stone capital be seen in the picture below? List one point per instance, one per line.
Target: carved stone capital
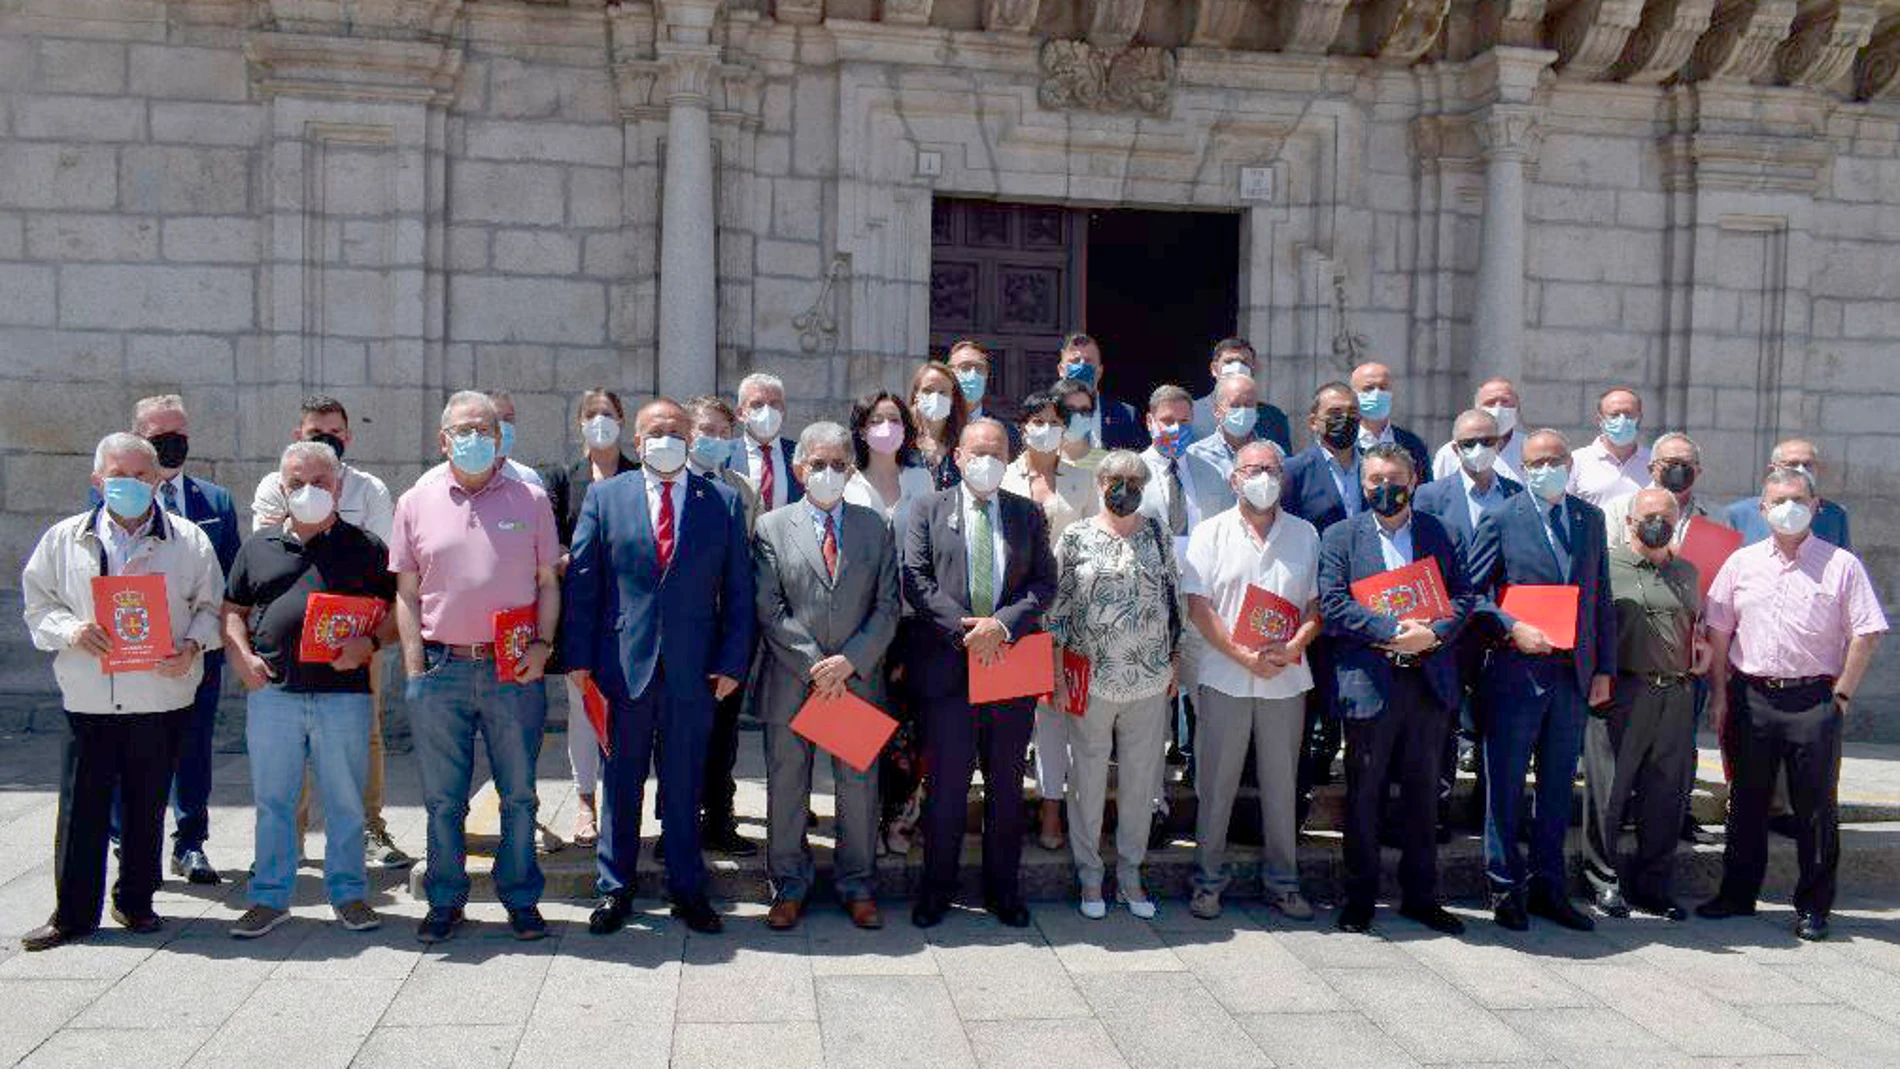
(1077, 75)
(1112, 23)
(1509, 133)
(1404, 29)
(1010, 16)
(1739, 45)
(1662, 41)
(1508, 75)
(686, 73)
(1589, 35)
(1827, 35)
(1308, 27)
(907, 12)
(1877, 72)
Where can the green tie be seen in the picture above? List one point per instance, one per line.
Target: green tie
(982, 563)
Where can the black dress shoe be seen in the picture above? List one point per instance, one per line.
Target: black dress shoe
(50, 935)
(1693, 833)
(699, 915)
(1611, 902)
(439, 925)
(1665, 908)
(1434, 916)
(610, 914)
(1558, 909)
(1719, 908)
(1810, 926)
(928, 911)
(1010, 913)
(138, 923)
(527, 924)
(195, 867)
(725, 839)
(1508, 911)
(1354, 918)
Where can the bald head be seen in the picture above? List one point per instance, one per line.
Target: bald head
(662, 417)
(1371, 376)
(1474, 423)
(1654, 501)
(1496, 391)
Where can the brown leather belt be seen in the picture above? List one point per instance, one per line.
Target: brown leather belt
(1662, 680)
(481, 651)
(1780, 683)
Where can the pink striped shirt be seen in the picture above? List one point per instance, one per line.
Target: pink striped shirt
(1793, 617)
(474, 554)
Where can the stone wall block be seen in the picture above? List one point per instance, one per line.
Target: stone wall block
(526, 310)
(109, 238)
(172, 72)
(78, 118)
(156, 298)
(537, 252)
(518, 193)
(27, 295)
(191, 181)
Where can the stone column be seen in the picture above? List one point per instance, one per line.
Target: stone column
(1508, 134)
(689, 293)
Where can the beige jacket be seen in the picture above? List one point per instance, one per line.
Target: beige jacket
(57, 589)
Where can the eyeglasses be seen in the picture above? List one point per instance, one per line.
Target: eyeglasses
(1081, 413)
(1255, 469)
(1472, 443)
(1121, 486)
(1546, 462)
(839, 466)
(460, 429)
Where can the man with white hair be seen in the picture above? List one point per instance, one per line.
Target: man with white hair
(296, 706)
(124, 727)
(827, 609)
(505, 415)
(764, 457)
(1675, 463)
(1497, 398)
(1830, 519)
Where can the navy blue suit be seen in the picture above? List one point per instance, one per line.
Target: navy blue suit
(741, 463)
(1308, 491)
(1535, 704)
(1413, 444)
(1122, 425)
(209, 506)
(1391, 712)
(651, 639)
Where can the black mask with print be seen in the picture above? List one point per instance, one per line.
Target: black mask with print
(1389, 499)
(1341, 430)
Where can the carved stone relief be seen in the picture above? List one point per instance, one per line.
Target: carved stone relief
(1077, 75)
(1662, 41)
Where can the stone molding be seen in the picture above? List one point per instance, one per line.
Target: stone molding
(1663, 41)
(907, 12)
(394, 19)
(1826, 36)
(1740, 43)
(364, 69)
(1877, 71)
(1409, 28)
(1112, 23)
(1308, 26)
(799, 12)
(1217, 23)
(1010, 16)
(1077, 75)
(1589, 35)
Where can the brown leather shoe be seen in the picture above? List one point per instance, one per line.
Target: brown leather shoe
(784, 915)
(864, 914)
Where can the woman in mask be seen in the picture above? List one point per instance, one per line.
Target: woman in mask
(598, 418)
(1116, 606)
(1045, 473)
(937, 406)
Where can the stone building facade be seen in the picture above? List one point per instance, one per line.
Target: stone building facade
(247, 200)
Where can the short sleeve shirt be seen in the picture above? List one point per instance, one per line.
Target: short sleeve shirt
(1222, 561)
(273, 576)
(1792, 617)
(475, 554)
(1656, 607)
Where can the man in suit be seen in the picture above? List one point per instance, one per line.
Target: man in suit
(1395, 683)
(761, 455)
(1458, 502)
(1534, 694)
(162, 421)
(827, 611)
(659, 612)
(1830, 519)
(1372, 387)
(978, 571)
(1235, 356)
(1497, 398)
(1236, 422)
(1183, 488)
(1118, 425)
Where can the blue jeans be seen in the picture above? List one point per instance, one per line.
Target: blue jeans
(447, 704)
(281, 729)
(1542, 716)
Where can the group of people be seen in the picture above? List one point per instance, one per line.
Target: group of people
(694, 564)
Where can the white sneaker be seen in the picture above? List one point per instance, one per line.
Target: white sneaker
(1094, 908)
(1293, 905)
(1205, 904)
(1140, 905)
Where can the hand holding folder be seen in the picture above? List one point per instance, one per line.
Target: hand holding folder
(594, 704)
(1550, 609)
(137, 620)
(1708, 545)
(1414, 592)
(846, 727)
(1026, 669)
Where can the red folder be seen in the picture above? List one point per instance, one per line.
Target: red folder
(1075, 678)
(137, 618)
(1551, 609)
(1414, 592)
(594, 704)
(514, 629)
(1265, 617)
(1027, 669)
(849, 728)
(1707, 545)
(330, 620)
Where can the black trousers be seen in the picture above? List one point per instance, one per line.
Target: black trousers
(722, 753)
(1642, 754)
(132, 754)
(1409, 734)
(1799, 730)
(956, 737)
(1320, 741)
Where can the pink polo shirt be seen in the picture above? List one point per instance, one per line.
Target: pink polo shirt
(476, 554)
(1792, 618)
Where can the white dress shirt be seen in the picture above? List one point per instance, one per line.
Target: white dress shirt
(1509, 462)
(1395, 546)
(1222, 561)
(1599, 478)
(120, 542)
(969, 504)
(771, 454)
(1476, 501)
(1346, 483)
(675, 485)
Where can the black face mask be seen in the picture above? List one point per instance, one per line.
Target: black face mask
(1655, 531)
(331, 440)
(1341, 430)
(172, 448)
(1676, 477)
(1121, 499)
(1389, 499)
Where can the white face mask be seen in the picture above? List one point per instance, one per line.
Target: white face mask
(311, 505)
(1235, 367)
(983, 475)
(665, 454)
(1478, 459)
(825, 486)
(1790, 518)
(934, 407)
(1042, 437)
(1506, 415)
(1262, 491)
(600, 432)
(763, 422)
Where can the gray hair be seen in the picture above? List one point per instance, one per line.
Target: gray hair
(1561, 437)
(1788, 477)
(317, 451)
(1122, 464)
(761, 379)
(475, 399)
(984, 421)
(118, 443)
(1392, 453)
(1473, 413)
(1695, 451)
(1225, 379)
(1168, 392)
(150, 406)
(1775, 454)
(1268, 442)
(822, 433)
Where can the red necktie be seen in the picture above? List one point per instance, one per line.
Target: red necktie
(831, 546)
(765, 475)
(663, 531)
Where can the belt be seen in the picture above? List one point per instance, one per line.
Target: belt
(1403, 660)
(1773, 683)
(1662, 680)
(481, 651)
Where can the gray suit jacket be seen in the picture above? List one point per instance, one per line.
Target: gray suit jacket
(806, 616)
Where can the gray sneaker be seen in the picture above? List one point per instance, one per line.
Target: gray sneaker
(380, 851)
(259, 920)
(1292, 905)
(357, 916)
(1205, 904)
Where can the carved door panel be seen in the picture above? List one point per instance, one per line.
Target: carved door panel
(1009, 276)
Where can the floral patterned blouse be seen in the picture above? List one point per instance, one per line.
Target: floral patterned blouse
(1117, 604)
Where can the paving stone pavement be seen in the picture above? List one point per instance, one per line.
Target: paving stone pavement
(1248, 989)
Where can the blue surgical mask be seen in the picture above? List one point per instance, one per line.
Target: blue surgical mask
(1620, 429)
(1081, 371)
(1081, 426)
(972, 382)
(472, 453)
(711, 453)
(128, 498)
(1548, 482)
(507, 438)
(1375, 404)
(1238, 422)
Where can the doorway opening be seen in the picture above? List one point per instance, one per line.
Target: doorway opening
(1162, 288)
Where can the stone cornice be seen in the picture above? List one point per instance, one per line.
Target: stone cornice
(374, 70)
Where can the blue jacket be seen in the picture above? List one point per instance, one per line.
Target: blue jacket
(209, 506)
(1362, 676)
(1308, 491)
(1122, 426)
(1445, 499)
(1510, 547)
(740, 463)
(624, 621)
(1830, 522)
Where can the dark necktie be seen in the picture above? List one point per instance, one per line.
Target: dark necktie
(663, 530)
(1558, 528)
(830, 546)
(765, 476)
(168, 496)
(1177, 505)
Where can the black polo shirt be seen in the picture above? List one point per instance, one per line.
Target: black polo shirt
(274, 573)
